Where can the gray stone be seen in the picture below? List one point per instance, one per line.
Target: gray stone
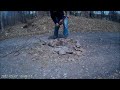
(51, 43)
(16, 54)
(59, 43)
(71, 59)
(56, 49)
(62, 52)
(77, 49)
(78, 53)
(71, 40)
(65, 48)
(43, 43)
(82, 50)
(78, 44)
(65, 75)
(69, 51)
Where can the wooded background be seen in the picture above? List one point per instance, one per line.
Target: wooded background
(10, 18)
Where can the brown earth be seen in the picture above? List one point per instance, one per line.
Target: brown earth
(46, 25)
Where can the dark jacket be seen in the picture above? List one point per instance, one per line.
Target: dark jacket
(57, 16)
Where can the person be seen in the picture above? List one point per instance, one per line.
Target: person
(59, 18)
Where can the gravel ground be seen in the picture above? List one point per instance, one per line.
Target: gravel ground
(28, 57)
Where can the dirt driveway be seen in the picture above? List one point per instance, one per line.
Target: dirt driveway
(26, 57)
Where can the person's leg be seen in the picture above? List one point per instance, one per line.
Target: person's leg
(56, 29)
(65, 27)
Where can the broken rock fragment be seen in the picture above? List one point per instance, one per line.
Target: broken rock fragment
(62, 52)
(77, 49)
(70, 51)
(78, 53)
(78, 44)
(51, 43)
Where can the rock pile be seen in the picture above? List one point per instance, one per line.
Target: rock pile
(66, 46)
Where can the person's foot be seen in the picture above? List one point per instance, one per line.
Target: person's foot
(52, 37)
(60, 36)
(65, 37)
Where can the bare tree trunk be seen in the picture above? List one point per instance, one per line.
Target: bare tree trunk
(91, 14)
(29, 17)
(118, 17)
(48, 13)
(102, 14)
(85, 14)
(1, 18)
(22, 17)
